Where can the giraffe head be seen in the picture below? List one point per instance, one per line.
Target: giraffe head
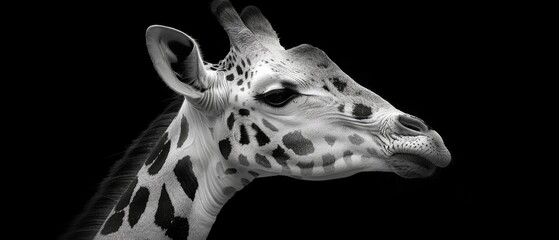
(292, 112)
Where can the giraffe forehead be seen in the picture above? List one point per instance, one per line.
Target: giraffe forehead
(296, 62)
(305, 67)
(309, 54)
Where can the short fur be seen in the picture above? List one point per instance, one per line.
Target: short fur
(254, 20)
(123, 172)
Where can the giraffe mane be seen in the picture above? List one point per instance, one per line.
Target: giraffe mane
(122, 173)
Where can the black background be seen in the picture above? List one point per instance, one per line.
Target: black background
(98, 90)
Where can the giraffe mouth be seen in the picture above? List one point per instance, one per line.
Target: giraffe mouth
(411, 165)
(418, 156)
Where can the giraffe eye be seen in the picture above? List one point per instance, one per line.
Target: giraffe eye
(277, 97)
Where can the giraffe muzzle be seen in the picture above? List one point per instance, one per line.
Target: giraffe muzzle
(416, 149)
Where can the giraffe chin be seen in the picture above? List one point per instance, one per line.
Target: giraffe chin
(411, 166)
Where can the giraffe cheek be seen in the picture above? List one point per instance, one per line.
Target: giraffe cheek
(299, 144)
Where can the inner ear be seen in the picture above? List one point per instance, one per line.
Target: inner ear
(178, 61)
(180, 52)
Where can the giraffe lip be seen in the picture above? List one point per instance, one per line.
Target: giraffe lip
(431, 151)
(411, 165)
(415, 159)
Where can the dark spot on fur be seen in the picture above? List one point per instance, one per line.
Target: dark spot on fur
(245, 181)
(230, 77)
(322, 65)
(240, 82)
(178, 228)
(356, 139)
(253, 173)
(326, 88)
(361, 111)
(229, 191)
(184, 132)
(248, 62)
(347, 155)
(306, 167)
(305, 164)
(244, 136)
(243, 62)
(165, 211)
(125, 199)
(248, 83)
(330, 139)
(230, 171)
(262, 161)
(243, 160)
(225, 147)
(372, 151)
(269, 125)
(230, 121)
(299, 144)
(157, 149)
(261, 137)
(160, 160)
(341, 108)
(246, 75)
(280, 156)
(138, 206)
(339, 84)
(328, 159)
(239, 70)
(186, 177)
(113, 223)
(244, 112)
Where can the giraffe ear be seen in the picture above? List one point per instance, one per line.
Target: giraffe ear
(178, 61)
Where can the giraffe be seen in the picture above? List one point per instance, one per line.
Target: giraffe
(261, 111)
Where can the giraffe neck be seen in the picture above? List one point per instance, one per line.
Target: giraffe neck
(181, 187)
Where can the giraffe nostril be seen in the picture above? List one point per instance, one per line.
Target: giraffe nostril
(410, 126)
(411, 123)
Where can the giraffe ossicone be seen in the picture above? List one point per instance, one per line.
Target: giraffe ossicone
(261, 111)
